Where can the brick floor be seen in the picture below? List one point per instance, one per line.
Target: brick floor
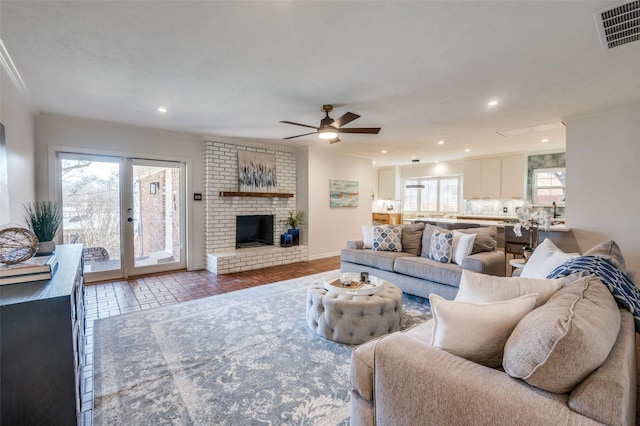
(107, 299)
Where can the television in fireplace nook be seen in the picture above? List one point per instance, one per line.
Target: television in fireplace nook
(254, 231)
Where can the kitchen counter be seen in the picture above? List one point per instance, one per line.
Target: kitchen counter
(506, 221)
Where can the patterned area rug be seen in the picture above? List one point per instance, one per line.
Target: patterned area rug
(245, 357)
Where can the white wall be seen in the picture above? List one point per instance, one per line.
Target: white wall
(92, 136)
(329, 228)
(603, 175)
(20, 147)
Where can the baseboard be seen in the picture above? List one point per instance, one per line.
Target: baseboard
(324, 255)
(197, 267)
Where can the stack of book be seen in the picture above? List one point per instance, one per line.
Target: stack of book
(34, 269)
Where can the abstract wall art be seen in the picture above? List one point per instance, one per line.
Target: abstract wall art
(256, 172)
(343, 193)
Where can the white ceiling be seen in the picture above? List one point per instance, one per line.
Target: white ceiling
(423, 71)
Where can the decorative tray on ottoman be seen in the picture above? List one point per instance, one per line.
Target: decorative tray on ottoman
(349, 283)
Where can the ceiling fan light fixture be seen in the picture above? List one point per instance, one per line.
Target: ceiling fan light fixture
(327, 133)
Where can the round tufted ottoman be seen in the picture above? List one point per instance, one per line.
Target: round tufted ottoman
(354, 319)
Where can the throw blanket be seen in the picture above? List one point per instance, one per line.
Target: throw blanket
(623, 289)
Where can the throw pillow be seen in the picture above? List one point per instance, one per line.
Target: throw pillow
(611, 251)
(486, 238)
(387, 238)
(412, 238)
(367, 236)
(480, 288)
(426, 238)
(546, 257)
(441, 246)
(462, 246)
(559, 344)
(477, 332)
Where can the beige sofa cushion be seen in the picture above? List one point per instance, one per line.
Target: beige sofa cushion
(412, 238)
(486, 238)
(609, 250)
(481, 288)
(477, 332)
(558, 345)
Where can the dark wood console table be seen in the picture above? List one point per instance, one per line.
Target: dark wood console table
(42, 344)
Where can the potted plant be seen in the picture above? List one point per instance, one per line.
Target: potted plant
(294, 221)
(44, 219)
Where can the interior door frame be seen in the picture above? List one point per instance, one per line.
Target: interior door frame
(55, 193)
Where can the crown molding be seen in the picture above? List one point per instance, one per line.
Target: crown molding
(14, 75)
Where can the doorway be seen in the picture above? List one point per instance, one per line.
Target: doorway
(127, 212)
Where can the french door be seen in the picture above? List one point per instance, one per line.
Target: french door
(127, 212)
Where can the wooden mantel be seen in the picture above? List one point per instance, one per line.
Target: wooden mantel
(256, 194)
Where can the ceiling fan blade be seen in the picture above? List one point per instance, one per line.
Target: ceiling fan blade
(370, 130)
(298, 124)
(345, 119)
(297, 136)
(334, 140)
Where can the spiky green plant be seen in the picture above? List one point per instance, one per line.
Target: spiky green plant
(43, 219)
(295, 218)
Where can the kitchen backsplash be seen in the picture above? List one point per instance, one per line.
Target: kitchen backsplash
(491, 207)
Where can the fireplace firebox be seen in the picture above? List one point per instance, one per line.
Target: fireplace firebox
(254, 231)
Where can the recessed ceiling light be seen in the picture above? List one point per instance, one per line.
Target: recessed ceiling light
(467, 150)
(493, 103)
(440, 142)
(545, 140)
(373, 162)
(384, 151)
(162, 110)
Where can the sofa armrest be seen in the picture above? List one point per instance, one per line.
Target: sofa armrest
(486, 262)
(355, 244)
(416, 383)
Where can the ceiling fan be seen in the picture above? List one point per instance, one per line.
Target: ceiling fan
(329, 128)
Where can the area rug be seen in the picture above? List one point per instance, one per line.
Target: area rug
(240, 358)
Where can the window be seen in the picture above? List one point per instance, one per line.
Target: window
(549, 186)
(441, 194)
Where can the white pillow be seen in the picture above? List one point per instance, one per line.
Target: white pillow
(477, 332)
(480, 288)
(367, 236)
(546, 257)
(462, 246)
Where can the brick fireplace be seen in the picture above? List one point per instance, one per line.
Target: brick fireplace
(221, 174)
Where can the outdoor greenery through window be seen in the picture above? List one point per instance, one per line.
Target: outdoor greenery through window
(549, 186)
(439, 194)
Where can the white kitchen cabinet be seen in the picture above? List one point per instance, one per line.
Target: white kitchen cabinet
(472, 179)
(387, 184)
(514, 177)
(482, 178)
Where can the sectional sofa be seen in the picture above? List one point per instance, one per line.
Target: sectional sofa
(516, 351)
(413, 269)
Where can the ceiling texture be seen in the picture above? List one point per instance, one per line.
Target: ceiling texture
(423, 71)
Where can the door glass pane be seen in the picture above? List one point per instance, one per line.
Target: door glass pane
(156, 214)
(91, 210)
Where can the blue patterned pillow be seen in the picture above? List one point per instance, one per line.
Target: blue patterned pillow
(387, 238)
(441, 246)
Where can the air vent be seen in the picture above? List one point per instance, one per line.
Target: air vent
(619, 25)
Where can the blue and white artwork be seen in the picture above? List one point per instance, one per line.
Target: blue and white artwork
(343, 193)
(257, 172)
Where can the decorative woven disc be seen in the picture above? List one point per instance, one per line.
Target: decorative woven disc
(17, 245)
